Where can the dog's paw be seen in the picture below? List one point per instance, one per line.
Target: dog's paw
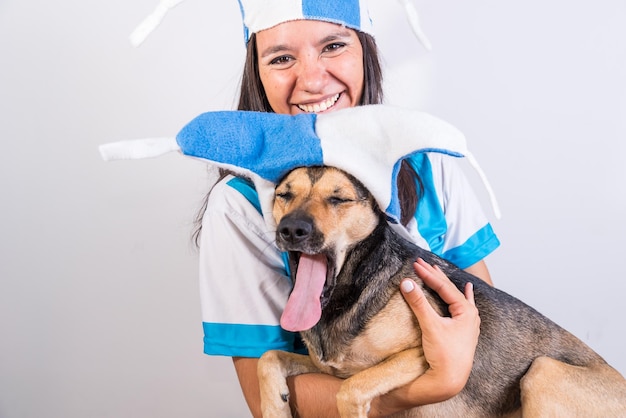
(273, 386)
(351, 406)
(275, 403)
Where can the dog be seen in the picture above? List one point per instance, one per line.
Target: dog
(347, 263)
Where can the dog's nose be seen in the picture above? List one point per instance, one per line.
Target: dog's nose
(294, 230)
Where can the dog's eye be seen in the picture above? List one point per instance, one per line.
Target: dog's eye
(336, 200)
(285, 196)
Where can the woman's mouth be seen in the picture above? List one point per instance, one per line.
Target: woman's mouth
(321, 106)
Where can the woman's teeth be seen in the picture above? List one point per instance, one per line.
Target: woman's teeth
(320, 107)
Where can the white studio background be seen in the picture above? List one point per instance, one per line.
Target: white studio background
(99, 307)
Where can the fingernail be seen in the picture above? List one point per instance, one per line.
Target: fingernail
(407, 286)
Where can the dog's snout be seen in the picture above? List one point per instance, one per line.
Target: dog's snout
(295, 230)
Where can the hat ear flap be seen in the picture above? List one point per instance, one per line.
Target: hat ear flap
(267, 144)
(368, 142)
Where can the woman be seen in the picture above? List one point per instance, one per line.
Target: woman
(321, 59)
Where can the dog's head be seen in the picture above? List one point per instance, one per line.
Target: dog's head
(321, 212)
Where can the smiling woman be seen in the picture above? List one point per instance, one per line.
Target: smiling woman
(254, 96)
(315, 58)
(318, 57)
(310, 66)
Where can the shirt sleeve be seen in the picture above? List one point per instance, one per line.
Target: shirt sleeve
(243, 282)
(449, 216)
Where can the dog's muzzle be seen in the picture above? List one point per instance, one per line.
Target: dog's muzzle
(297, 232)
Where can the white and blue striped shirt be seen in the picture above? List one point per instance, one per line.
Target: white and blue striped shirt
(244, 283)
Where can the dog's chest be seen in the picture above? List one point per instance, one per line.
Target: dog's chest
(336, 351)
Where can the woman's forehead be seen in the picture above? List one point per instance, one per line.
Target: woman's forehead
(311, 31)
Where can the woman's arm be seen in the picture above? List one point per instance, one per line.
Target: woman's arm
(480, 270)
(311, 395)
(448, 343)
(249, 382)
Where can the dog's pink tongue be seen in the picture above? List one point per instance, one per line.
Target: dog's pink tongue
(303, 308)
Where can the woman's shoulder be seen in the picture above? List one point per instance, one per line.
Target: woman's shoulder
(233, 193)
(233, 207)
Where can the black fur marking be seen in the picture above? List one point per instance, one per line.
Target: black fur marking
(315, 173)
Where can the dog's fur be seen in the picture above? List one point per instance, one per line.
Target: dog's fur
(525, 365)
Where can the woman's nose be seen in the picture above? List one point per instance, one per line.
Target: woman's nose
(312, 75)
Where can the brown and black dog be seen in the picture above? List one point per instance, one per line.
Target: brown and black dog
(347, 263)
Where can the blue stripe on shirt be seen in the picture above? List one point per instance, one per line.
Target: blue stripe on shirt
(477, 247)
(241, 340)
(246, 188)
(431, 221)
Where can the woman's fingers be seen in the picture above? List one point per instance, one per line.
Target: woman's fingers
(469, 293)
(434, 278)
(416, 299)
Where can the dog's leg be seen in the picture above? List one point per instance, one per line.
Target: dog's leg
(356, 393)
(273, 369)
(551, 388)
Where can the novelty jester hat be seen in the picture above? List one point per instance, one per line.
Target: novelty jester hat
(368, 142)
(258, 15)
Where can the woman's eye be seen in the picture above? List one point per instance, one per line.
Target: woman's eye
(283, 59)
(335, 46)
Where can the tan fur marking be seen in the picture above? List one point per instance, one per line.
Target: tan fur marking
(387, 333)
(341, 224)
(552, 388)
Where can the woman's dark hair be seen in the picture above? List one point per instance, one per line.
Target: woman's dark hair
(252, 97)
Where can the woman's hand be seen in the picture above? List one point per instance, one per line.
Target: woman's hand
(449, 343)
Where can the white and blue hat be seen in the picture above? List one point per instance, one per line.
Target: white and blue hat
(258, 15)
(368, 142)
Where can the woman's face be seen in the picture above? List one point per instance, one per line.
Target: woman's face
(309, 66)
